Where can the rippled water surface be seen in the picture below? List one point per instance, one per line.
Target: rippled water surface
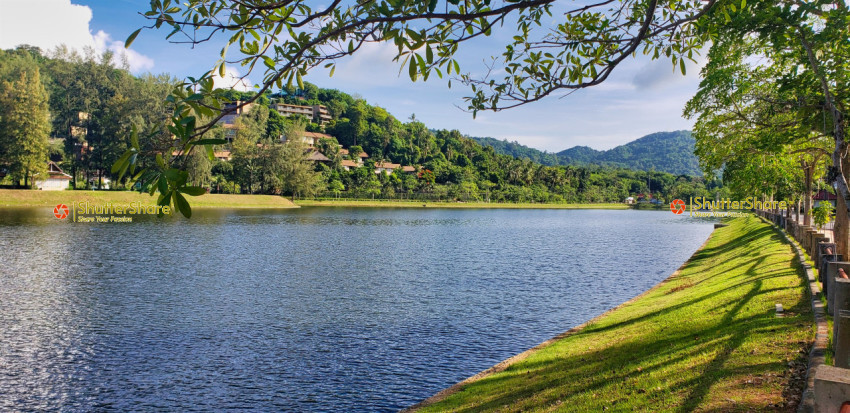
(315, 309)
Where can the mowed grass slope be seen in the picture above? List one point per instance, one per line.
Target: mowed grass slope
(33, 198)
(707, 340)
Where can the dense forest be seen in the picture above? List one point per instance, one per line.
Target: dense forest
(671, 152)
(90, 108)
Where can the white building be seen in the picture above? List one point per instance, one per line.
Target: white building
(385, 167)
(57, 179)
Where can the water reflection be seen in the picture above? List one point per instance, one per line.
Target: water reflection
(313, 309)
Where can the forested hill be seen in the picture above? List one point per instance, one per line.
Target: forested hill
(518, 150)
(671, 152)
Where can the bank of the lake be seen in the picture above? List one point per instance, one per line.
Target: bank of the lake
(33, 198)
(379, 203)
(705, 339)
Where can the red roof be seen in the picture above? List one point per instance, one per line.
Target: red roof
(345, 152)
(824, 195)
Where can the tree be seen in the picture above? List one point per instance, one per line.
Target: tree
(298, 176)
(24, 126)
(757, 131)
(336, 187)
(199, 168)
(293, 129)
(247, 148)
(810, 38)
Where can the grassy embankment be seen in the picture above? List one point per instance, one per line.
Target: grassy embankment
(32, 198)
(432, 204)
(706, 339)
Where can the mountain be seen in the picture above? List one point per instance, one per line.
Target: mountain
(518, 150)
(671, 152)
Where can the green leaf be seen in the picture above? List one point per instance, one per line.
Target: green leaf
(134, 137)
(164, 198)
(132, 37)
(182, 204)
(332, 71)
(193, 190)
(176, 176)
(682, 65)
(162, 184)
(122, 162)
(160, 161)
(412, 69)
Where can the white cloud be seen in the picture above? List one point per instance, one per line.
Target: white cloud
(372, 65)
(659, 73)
(232, 80)
(137, 61)
(60, 22)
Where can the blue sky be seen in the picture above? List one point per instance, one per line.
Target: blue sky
(641, 97)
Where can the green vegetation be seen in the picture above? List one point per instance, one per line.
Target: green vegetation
(24, 124)
(583, 46)
(771, 110)
(420, 204)
(822, 214)
(249, 156)
(671, 152)
(27, 198)
(707, 339)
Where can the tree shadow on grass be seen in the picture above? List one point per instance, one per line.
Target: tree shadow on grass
(557, 377)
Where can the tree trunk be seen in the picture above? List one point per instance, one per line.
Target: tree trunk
(839, 232)
(807, 196)
(797, 212)
(839, 173)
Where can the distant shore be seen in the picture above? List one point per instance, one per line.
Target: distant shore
(34, 198)
(378, 203)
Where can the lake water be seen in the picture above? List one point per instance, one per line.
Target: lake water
(317, 309)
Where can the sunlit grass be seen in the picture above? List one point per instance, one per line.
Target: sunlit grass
(34, 198)
(707, 339)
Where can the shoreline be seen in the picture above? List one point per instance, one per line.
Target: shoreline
(24, 198)
(347, 203)
(479, 390)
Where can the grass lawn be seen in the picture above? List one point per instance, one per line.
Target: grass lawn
(707, 339)
(33, 198)
(429, 204)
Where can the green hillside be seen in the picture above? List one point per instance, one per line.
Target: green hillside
(670, 152)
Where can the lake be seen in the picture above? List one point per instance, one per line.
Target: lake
(315, 309)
